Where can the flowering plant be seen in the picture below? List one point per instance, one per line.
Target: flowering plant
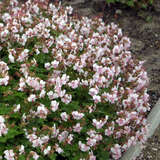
(69, 87)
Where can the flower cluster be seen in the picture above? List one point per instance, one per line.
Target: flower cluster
(69, 87)
(4, 78)
(3, 128)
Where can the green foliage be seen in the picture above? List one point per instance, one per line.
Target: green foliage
(10, 135)
(133, 3)
(69, 110)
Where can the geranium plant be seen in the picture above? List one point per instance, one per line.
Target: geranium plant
(69, 88)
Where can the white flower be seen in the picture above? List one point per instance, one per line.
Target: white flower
(83, 147)
(77, 128)
(96, 99)
(9, 154)
(47, 65)
(54, 64)
(76, 115)
(62, 137)
(64, 116)
(59, 149)
(35, 155)
(17, 108)
(21, 149)
(42, 94)
(11, 58)
(32, 98)
(47, 150)
(2, 119)
(98, 124)
(54, 105)
(93, 91)
(42, 111)
(50, 95)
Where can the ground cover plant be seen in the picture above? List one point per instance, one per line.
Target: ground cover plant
(70, 88)
(133, 3)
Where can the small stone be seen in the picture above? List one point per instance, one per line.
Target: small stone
(156, 35)
(154, 149)
(137, 45)
(119, 12)
(85, 11)
(74, 2)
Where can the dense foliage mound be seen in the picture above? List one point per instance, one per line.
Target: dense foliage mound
(69, 87)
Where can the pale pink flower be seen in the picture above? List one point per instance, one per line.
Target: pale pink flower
(112, 98)
(47, 65)
(3, 129)
(91, 142)
(9, 154)
(58, 149)
(70, 139)
(45, 50)
(47, 150)
(116, 151)
(23, 56)
(126, 42)
(98, 124)
(11, 58)
(76, 115)
(17, 108)
(116, 49)
(42, 93)
(96, 99)
(77, 128)
(44, 139)
(91, 156)
(21, 149)
(62, 137)
(35, 155)
(69, 9)
(66, 99)
(55, 64)
(55, 131)
(74, 84)
(93, 91)
(32, 98)
(2, 120)
(54, 105)
(121, 121)
(109, 131)
(42, 111)
(50, 95)
(37, 142)
(64, 116)
(83, 147)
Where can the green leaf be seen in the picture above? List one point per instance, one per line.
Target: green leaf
(130, 3)
(21, 157)
(110, 1)
(53, 156)
(2, 148)
(11, 134)
(4, 109)
(74, 105)
(102, 154)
